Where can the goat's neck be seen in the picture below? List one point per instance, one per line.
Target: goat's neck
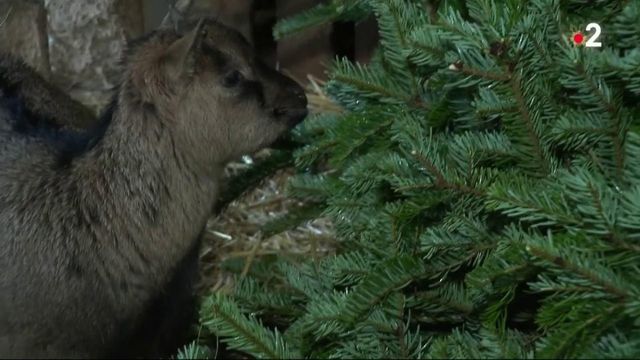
(153, 197)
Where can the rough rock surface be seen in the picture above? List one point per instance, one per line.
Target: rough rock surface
(23, 32)
(86, 41)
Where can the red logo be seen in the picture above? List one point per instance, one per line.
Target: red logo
(577, 38)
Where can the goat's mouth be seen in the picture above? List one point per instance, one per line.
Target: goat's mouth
(292, 116)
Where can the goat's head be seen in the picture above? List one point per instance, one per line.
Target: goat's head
(222, 99)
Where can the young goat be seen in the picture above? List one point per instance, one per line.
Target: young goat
(95, 227)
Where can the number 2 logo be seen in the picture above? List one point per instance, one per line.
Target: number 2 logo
(592, 41)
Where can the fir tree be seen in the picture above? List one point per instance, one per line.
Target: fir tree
(484, 185)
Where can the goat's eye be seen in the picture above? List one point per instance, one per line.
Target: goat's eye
(233, 78)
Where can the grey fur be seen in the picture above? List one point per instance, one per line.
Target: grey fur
(88, 243)
(45, 100)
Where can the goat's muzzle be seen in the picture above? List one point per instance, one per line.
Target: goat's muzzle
(293, 108)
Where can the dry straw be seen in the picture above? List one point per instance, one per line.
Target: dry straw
(236, 232)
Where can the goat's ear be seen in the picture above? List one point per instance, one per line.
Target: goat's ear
(182, 54)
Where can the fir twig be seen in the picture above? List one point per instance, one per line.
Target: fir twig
(224, 318)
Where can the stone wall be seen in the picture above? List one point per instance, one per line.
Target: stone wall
(86, 41)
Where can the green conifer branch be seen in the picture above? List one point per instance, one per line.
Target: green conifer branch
(615, 127)
(588, 274)
(525, 116)
(565, 345)
(476, 128)
(223, 317)
(392, 274)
